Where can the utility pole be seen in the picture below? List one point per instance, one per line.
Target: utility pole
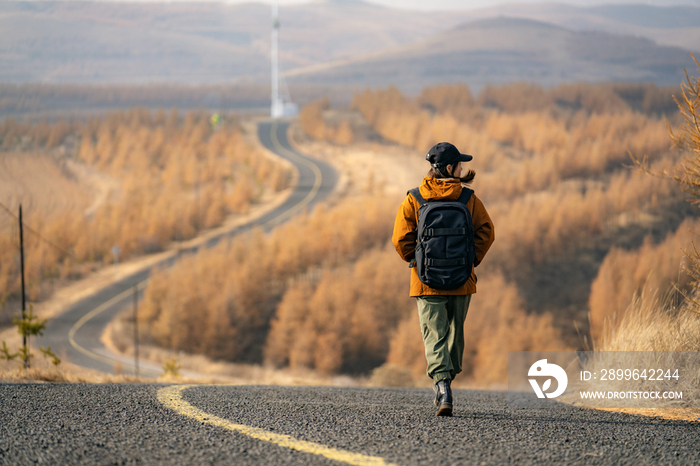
(136, 329)
(115, 252)
(24, 302)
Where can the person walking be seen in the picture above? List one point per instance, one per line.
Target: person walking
(443, 242)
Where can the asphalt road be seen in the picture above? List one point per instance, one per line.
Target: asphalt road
(75, 334)
(252, 425)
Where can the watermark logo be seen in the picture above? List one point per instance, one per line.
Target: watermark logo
(542, 369)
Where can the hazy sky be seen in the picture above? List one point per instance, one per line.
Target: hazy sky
(454, 4)
(466, 4)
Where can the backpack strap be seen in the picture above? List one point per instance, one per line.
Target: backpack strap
(465, 195)
(415, 192)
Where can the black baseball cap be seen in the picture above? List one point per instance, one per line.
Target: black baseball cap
(444, 153)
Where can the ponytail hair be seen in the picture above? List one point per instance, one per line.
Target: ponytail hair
(441, 172)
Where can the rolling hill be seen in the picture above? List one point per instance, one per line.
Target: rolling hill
(677, 26)
(502, 50)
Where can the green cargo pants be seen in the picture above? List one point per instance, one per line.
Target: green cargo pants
(442, 323)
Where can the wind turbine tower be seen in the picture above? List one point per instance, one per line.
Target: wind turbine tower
(278, 107)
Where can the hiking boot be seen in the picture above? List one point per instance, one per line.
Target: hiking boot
(443, 397)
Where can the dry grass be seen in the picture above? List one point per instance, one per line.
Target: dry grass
(43, 183)
(43, 371)
(194, 369)
(652, 324)
(673, 414)
(62, 376)
(118, 337)
(208, 372)
(657, 329)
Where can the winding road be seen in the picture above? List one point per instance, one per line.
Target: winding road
(75, 334)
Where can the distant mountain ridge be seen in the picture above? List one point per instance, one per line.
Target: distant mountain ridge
(668, 25)
(501, 50)
(649, 16)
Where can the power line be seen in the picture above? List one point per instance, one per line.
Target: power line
(30, 229)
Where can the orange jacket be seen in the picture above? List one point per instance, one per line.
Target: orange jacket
(404, 237)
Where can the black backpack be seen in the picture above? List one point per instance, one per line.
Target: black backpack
(445, 250)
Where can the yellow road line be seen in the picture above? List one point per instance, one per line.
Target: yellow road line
(98, 310)
(171, 397)
(314, 168)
